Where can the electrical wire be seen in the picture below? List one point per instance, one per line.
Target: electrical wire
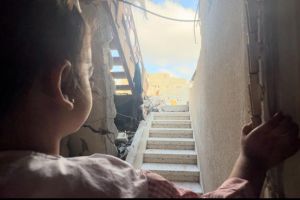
(158, 15)
(127, 116)
(198, 6)
(102, 131)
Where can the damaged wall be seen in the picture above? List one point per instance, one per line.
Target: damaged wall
(219, 99)
(282, 78)
(86, 142)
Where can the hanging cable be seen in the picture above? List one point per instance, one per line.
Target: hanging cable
(102, 131)
(158, 15)
(129, 117)
(198, 6)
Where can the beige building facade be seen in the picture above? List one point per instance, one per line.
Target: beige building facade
(172, 90)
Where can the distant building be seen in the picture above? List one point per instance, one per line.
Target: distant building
(173, 90)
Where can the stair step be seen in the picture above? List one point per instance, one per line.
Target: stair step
(170, 156)
(170, 149)
(171, 143)
(195, 187)
(177, 108)
(171, 118)
(123, 87)
(117, 61)
(171, 124)
(171, 113)
(119, 75)
(171, 132)
(174, 172)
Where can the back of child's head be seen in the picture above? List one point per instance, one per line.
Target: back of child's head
(35, 36)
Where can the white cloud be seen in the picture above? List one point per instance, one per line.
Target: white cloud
(165, 43)
(185, 71)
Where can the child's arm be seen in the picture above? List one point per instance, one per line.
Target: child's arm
(263, 148)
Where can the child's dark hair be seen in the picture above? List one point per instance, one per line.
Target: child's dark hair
(35, 35)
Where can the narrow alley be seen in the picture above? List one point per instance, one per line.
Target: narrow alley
(150, 98)
(170, 149)
(239, 78)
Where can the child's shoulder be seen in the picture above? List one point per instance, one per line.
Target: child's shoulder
(103, 160)
(40, 161)
(95, 174)
(42, 165)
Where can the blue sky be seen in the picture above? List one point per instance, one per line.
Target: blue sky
(192, 4)
(168, 46)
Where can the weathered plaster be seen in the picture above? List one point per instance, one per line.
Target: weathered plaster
(219, 100)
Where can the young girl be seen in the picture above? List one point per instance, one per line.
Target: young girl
(46, 95)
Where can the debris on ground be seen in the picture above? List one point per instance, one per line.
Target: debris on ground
(122, 144)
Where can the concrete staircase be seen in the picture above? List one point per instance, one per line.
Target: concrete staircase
(170, 150)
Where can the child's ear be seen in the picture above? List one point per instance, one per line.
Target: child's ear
(60, 78)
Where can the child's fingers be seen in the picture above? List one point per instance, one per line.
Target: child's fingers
(284, 128)
(247, 129)
(272, 123)
(295, 130)
(293, 135)
(298, 143)
(290, 138)
(294, 147)
(276, 119)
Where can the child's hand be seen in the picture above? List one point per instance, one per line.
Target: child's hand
(270, 143)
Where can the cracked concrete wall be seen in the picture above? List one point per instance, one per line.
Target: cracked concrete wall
(219, 99)
(86, 142)
(283, 34)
